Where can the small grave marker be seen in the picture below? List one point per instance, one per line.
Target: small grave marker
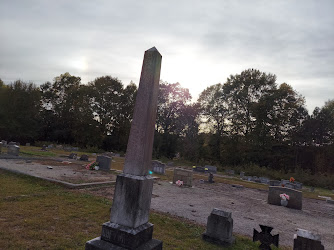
(158, 167)
(219, 228)
(306, 240)
(184, 175)
(265, 237)
(104, 162)
(13, 150)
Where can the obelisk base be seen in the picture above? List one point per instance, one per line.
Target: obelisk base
(116, 236)
(98, 244)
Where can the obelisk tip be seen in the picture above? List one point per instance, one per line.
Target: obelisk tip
(153, 49)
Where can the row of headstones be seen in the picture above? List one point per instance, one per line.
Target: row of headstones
(12, 148)
(220, 228)
(265, 180)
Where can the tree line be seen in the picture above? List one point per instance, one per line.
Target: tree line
(248, 119)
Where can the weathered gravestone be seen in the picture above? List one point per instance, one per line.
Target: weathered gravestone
(73, 156)
(4, 143)
(211, 169)
(265, 237)
(128, 227)
(183, 175)
(210, 178)
(219, 228)
(28, 144)
(306, 240)
(11, 143)
(264, 180)
(13, 150)
(230, 172)
(158, 167)
(242, 174)
(104, 162)
(84, 158)
(295, 201)
(274, 183)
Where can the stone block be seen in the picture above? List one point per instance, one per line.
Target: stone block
(211, 169)
(306, 240)
(73, 156)
(28, 144)
(183, 175)
(84, 158)
(230, 172)
(295, 201)
(274, 183)
(158, 167)
(104, 162)
(242, 174)
(99, 244)
(132, 200)
(219, 228)
(13, 150)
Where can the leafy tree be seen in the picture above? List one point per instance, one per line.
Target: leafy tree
(214, 112)
(172, 101)
(19, 111)
(243, 91)
(60, 102)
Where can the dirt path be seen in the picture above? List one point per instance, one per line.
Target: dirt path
(248, 206)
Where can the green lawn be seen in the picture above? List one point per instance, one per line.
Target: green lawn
(40, 215)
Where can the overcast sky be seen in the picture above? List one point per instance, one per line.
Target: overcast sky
(201, 42)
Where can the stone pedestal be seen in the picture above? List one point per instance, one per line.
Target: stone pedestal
(219, 228)
(132, 200)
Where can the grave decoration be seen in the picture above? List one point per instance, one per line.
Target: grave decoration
(265, 237)
(284, 199)
(129, 227)
(179, 183)
(92, 166)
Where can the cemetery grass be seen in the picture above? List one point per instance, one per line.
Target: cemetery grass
(40, 215)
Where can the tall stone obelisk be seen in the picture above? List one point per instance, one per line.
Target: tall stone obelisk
(128, 227)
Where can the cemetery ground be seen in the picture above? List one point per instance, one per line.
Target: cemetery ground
(40, 215)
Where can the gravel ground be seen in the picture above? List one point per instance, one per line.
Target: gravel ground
(72, 172)
(248, 206)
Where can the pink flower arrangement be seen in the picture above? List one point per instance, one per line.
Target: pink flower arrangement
(92, 166)
(284, 197)
(179, 183)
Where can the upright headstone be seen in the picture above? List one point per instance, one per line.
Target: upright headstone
(128, 226)
(104, 162)
(211, 169)
(306, 240)
(158, 167)
(295, 200)
(219, 228)
(13, 150)
(183, 175)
